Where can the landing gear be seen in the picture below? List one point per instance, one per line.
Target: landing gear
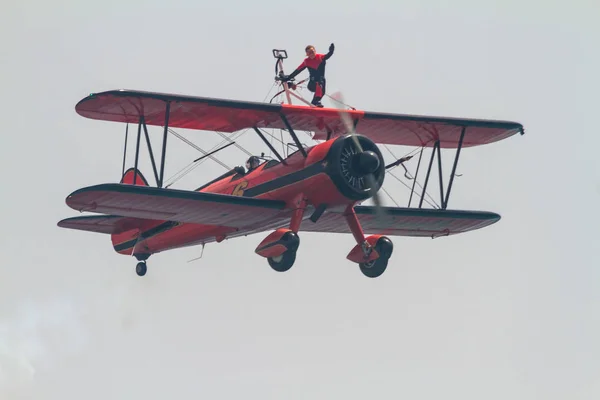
(370, 253)
(280, 247)
(141, 268)
(285, 261)
(374, 268)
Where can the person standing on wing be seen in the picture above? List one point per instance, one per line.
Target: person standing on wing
(316, 67)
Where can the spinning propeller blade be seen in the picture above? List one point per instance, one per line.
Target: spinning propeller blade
(370, 178)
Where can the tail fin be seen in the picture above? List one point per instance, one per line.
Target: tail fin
(132, 175)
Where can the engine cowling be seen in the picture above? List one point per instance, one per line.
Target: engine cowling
(348, 167)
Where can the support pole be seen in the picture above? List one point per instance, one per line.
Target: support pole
(293, 134)
(259, 133)
(285, 85)
(164, 147)
(460, 143)
(441, 177)
(428, 173)
(150, 151)
(125, 150)
(137, 151)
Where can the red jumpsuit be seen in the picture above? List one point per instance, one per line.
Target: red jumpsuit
(316, 68)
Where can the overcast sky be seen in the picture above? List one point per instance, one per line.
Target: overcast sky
(508, 312)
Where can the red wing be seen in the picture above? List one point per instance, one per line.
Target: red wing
(405, 222)
(410, 130)
(177, 205)
(201, 113)
(399, 129)
(222, 115)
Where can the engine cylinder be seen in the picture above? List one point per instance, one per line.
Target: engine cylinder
(357, 174)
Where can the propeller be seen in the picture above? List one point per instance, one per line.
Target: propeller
(366, 161)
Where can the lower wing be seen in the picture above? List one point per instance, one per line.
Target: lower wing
(399, 221)
(128, 206)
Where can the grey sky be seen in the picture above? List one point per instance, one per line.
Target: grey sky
(511, 311)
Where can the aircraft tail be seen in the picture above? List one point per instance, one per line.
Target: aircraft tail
(134, 177)
(124, 231)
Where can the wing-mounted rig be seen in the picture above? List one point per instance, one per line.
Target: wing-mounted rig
(290, 86)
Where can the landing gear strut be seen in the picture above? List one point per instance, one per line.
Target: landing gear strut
(280, 247)
(284, 262)
(371, 253)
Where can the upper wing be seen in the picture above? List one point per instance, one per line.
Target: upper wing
(405, 222)
(176, 205)
(210, 114)
(421, 131)
(400, 129)
(187, 112)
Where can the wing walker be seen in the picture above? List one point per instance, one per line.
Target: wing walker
(316, 188)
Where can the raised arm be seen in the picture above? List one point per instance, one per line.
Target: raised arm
(330, 53)
(300, 68)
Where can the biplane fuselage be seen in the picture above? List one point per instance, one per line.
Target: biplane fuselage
(316, 179)
(315, 189)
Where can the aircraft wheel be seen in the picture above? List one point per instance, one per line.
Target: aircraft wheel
(141, 268)
(374, 268)
(283, 262)
(377, 267)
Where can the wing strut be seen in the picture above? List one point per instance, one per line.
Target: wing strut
(164, 147)
(441, 177)
(437, 150)
(294, 136)
(259, 133)
(158, 173)
(437, 143)
(125, 148)
(460, 142)
(142, 124)
(137, 151)
(150, 151)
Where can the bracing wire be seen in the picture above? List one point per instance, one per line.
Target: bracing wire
(434, 205)
(414, 151)
(411, 153)
(193, 165)
(390, 196)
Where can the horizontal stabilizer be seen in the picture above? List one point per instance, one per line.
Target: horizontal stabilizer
(109, 224)
(400, 221)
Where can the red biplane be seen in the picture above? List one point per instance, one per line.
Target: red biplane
(313, 189)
